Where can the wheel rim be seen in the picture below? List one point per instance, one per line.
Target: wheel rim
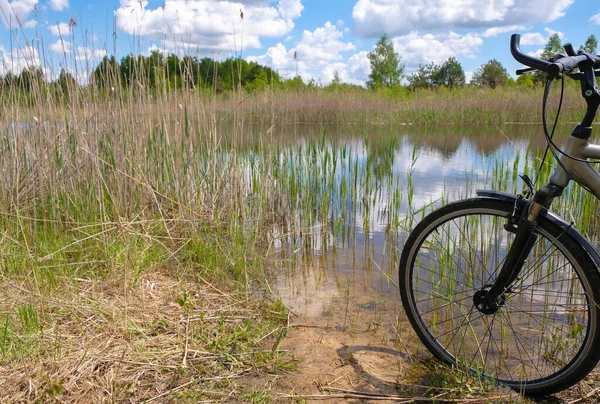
(544, 322)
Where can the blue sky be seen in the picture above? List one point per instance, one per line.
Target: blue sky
(326, 36)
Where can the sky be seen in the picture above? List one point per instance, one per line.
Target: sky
(326, 36)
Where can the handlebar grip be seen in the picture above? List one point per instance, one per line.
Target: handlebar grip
(515, 50)
(568, 64)
(552, 68)
(569, 49)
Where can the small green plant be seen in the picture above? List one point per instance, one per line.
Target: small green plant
(260, 396)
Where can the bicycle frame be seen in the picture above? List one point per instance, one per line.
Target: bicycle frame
(572, 165)
(583, 173)
(501, 284)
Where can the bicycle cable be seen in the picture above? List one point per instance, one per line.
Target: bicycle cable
(549, 137)
(550, 145)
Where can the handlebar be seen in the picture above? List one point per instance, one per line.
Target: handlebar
(515, 50)
(555, 68)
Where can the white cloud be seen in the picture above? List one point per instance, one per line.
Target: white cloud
(314, 52)
(209, 24)
(322, 45)
(320, 54)
(399, 17)
(58, 5)
(31, 24)
(359, 66)
(17, 60)
(61, 46)
(491, 32)
(282, 60)
(536, 38)
(469, 76)
(60, 29)
(155, 48)
(595, 19)
(329, 71)
(346, 72)
(79, 53)
(290, 9)
(416, 48)
(533, 38)
(15, 12)
(536, 53)
(550, 31)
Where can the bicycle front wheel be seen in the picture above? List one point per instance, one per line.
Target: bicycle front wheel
(544, 337)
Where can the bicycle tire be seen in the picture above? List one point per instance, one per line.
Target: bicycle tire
(546, 335)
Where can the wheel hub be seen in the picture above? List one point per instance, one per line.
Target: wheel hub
(483, 304)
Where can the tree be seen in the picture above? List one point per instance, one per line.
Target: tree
(31, 78)
(386, 65)
(553, 47)
(450, 74)
(491, 74)
(525, 80)
(106, 74)
(336, 81)
(423, 77)
(160, 73)
(590, 45)
(9, 81)
(66, 82)
(260, 82)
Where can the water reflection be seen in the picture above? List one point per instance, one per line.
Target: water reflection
(340, 262)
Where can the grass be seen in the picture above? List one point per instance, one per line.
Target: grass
(166, 338)
(138, 229)
(131, 253)
(461, 106)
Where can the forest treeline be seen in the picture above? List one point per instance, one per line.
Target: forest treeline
(158, 73)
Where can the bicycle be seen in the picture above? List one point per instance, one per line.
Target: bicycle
(501, 286)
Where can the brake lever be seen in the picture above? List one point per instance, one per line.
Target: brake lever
(556, 57)
(525, 71)
(529, 191)
(569, 49)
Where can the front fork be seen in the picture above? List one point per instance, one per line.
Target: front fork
(491, 297)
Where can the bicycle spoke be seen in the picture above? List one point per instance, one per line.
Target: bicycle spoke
(541, 322)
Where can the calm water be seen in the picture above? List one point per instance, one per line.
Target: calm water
(339, 267)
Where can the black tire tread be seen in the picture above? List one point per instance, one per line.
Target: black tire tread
(562, 379)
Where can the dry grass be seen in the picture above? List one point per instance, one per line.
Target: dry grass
(109, 199)
(161, 339)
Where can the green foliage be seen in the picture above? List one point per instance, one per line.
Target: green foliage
(525, 80)
(66, 83)
(590, 44)
(260, 82)
(336, 81)
(449, 74)
(491, 74)
(161, 73)
(423, 77)
(296, 84)
(338, 85)
(156, 73)
(386, 65)
(106, 74)
(257, 397)
(553, 47)
(31, 79)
